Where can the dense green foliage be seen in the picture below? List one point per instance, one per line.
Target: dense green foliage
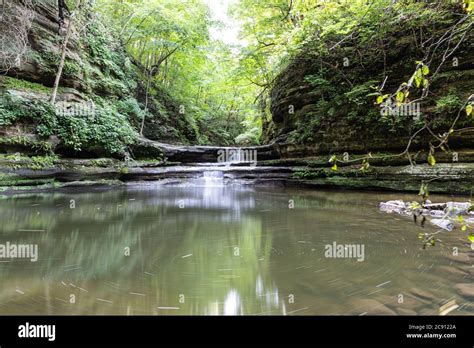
(153, 68)
(170, 41)
(108, 129)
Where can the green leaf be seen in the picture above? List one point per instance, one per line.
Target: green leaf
(469, 5)
(417, 81)
(426, 70)
(379, 99)
(469, 110)
(431, 160)
(334, 167)
(471, 238)
(423, 190)
(464, 228)
(400, 97)
(365, 165)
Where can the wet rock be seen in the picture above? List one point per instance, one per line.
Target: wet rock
(469, 270)
(443, 218)
(423, 294)
(408, 303)
(443, 223)
(452, 271)
(147, 149)
(397, 206)
(457, 207)
(199, 154)
(436, 213)
(461, 257)
(465, 289)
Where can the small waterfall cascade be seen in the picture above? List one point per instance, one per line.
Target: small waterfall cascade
(231, 156)
(213, 177)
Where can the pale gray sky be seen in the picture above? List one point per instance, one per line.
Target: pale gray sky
(230, 32)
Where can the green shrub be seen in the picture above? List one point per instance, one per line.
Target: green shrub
(14, 110)
(109, 129)
(112, 130)
(448, 104)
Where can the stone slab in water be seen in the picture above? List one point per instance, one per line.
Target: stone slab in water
(466, 290)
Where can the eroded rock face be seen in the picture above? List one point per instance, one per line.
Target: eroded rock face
(320, 106)
(146, 148)
(37, 63)
(96, 67)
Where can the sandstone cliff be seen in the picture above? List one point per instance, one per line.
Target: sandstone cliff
(97, 69)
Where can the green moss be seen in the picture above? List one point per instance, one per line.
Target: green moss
(42, 162)
(48, 61)
(38, 146)
(102, 163)
(27, 162)
(8, 181)
(109, 85)
(124, 170)
(72, 68)
(23, 85)
(310, 174)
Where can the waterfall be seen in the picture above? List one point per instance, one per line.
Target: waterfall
(229, 156)
(213, 177)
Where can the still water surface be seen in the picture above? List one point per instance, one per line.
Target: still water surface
(222, 250)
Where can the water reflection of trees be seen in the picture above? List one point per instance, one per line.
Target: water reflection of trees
(82, 252)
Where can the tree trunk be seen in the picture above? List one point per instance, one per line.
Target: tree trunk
(150, 74)
(146, 102)
(63, 53)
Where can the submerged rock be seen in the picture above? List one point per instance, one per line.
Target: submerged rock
(423, 294)
(461, 257)
(465, 289)
(443, 223)
(452, 271)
